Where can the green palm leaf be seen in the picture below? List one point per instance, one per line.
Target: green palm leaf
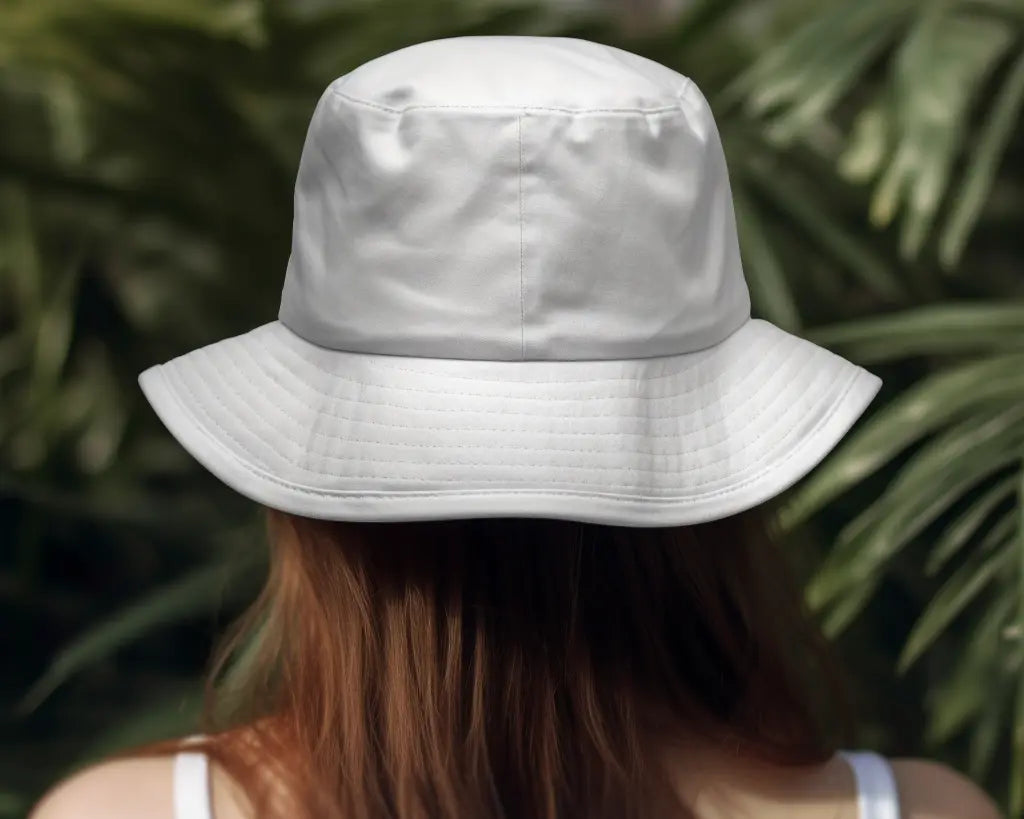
(956, 594)
(950, 328)
(919, 411)
(959, 532)
(981, 169)
(769, 288)
(956, 699)
(202, 591)
(928, 484)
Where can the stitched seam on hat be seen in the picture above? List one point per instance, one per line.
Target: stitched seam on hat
(839, 403)
(758, 355)
(522, 297)
(383, 364)
(787, 432)
(664, 109)
(708, 356)
(778, 373)
(678, 437)
(685, 87)
(195, 420)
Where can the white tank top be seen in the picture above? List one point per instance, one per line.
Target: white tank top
(877, 797)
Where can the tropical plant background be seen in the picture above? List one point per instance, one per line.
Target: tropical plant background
(147, 154)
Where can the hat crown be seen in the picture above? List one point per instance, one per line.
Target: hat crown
(506, 198)
(520, 72)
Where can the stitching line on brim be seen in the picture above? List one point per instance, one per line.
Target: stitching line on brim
(754, 355)
(217, 367)
(405, 494)
(290, 340)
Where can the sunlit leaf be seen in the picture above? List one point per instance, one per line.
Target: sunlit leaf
(938, 69)
(942, 329)
(928, 484)
(790, 70)
(972, 194)
(919, 411)
(866, 150)
(824, 84)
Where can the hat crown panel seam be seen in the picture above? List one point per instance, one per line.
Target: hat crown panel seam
(522, 290)
(674, 108)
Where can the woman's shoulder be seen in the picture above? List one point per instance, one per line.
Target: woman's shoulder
(131, 787)
(716, 787)
(928, 790)
(933, 790)
(122, 788)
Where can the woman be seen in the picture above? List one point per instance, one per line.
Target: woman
(517, 436)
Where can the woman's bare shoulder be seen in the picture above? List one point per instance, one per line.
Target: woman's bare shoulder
(135, 787)
(123, 788)
(932, 790)
(129, 788)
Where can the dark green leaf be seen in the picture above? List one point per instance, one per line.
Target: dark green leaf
(959, 531)
(950, 600)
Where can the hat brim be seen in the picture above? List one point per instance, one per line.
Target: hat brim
(646, 442)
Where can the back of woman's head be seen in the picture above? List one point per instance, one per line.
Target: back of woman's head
(511, 667)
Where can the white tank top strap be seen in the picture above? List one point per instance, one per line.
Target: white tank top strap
(877, 794)
(192, 786)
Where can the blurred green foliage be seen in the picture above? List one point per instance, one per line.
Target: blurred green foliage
(147, 155)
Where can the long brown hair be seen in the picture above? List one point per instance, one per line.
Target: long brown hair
(512, 668)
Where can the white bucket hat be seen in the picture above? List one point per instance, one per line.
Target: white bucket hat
(514, 290)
